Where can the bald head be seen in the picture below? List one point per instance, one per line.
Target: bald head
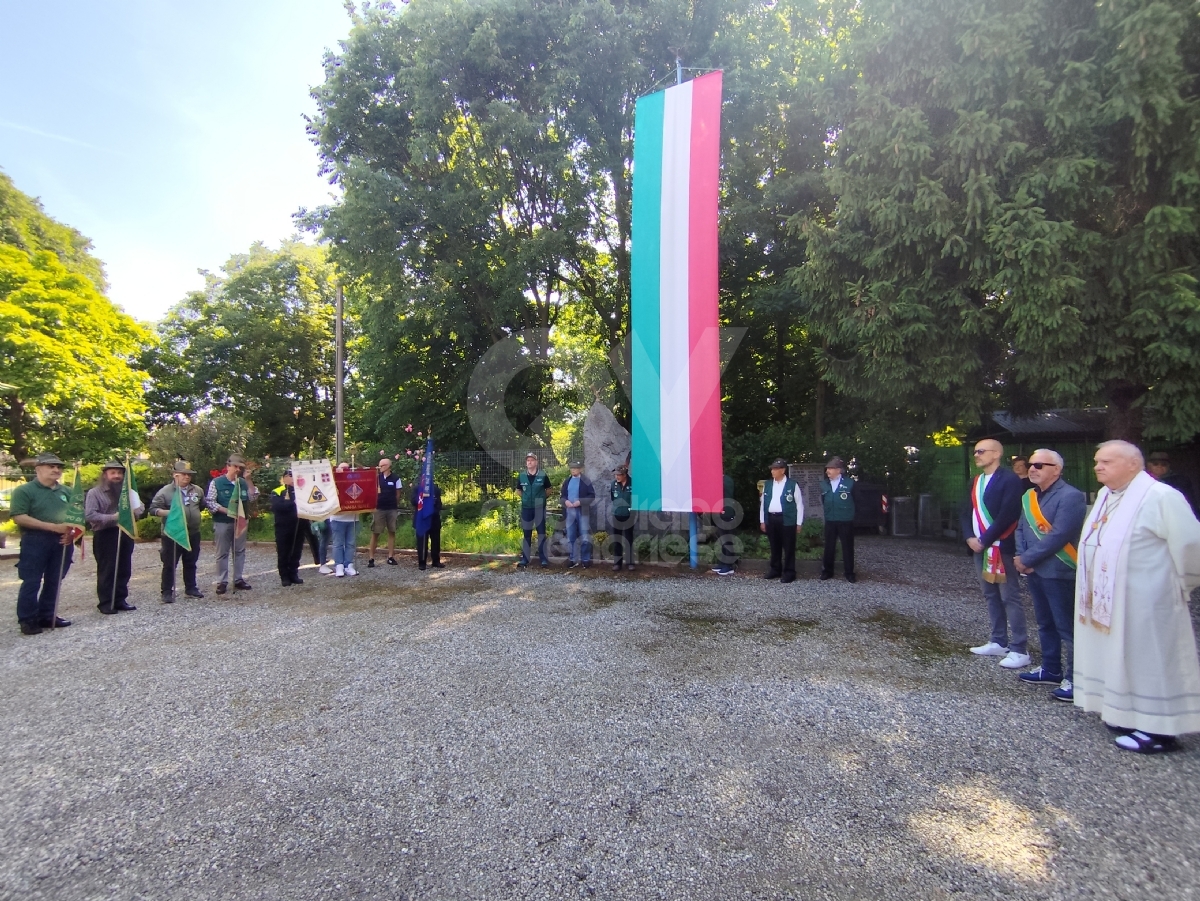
(1117, 463)
(988, 454)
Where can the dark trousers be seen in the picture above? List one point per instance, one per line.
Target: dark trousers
(783, 546)
(834, 532)
(289, 545)
(41, 564)
(113, 550)
(171, 554)
(1054, 609)
(533, 519)
(726, 554)
(429, 545)
(622, 543)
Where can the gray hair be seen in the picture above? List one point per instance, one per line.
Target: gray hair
(1055, 456)
(1127, 450)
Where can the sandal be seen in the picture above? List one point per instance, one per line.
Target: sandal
(1144, 743)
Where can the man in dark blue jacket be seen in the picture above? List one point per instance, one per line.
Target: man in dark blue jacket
(289, 536)
(1052, 517)
(988, 526)
(578, 495)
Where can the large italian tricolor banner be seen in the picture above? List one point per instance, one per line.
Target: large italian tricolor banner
(676, 372)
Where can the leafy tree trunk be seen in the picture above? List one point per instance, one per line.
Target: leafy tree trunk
(819, 412)
(16, 428)
(1124, 419)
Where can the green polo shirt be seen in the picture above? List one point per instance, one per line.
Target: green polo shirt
(36, 500)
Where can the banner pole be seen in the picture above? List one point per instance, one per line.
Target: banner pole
(339, 366)
(693, 538)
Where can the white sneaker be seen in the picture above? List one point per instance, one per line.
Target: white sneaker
(991, 649)
(325, 569)
(339, 571)
(1015, 661)
(351, 571)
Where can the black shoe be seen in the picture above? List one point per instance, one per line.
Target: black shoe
(825, 577)
(587, 566)
(194, 593)
(545, 564)
(124, 606)
(785, 580)
(31, 629)
(520, 564)
(222, 588)
(572, 565)
(241, 585)
(771, 575)
(392, 562)
(420, 567)
(105, 609)
(286, 583)
(371, 563)
(168, 598)
(851, 578)
(296, 580)
(438, 565)
(57, 623)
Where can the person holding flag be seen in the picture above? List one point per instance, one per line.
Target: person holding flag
(41, 508)
(110, 513)
(427, 518)
(178, 504)
(229, 496)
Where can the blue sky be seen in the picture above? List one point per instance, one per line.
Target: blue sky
(169, 133)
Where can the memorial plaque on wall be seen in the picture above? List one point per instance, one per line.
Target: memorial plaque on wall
(808, 477)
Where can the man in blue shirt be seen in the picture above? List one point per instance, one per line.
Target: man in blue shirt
(577, 497)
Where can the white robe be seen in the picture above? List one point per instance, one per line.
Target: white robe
(1144, 673)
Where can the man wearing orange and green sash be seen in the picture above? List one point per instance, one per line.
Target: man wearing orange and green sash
(1051, 518)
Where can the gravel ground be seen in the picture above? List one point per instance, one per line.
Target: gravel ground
(480, 733)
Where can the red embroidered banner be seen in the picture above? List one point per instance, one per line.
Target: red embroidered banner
(358, 489)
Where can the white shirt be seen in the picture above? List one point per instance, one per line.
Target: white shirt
(777, 496)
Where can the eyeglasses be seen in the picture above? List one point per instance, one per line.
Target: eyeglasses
(979, 452)
(1041, 465)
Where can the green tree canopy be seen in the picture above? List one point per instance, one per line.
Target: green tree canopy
(67, 350)
(1016, 213)
(484, 153)
(257, 342)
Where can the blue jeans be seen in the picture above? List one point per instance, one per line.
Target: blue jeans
(43, 560)
(1053, 608)
(1005, 610)
(344, 536)
(579, 529)
(323, 542)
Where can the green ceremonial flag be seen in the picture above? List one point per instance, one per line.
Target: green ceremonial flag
(74, 514)
(125, 507)
(175, 525)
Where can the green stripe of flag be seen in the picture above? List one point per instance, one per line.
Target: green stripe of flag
(646, 463)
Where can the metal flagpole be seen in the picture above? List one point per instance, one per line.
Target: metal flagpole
(62, 567)
(339, 366)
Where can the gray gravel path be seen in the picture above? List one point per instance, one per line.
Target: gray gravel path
(479, 733)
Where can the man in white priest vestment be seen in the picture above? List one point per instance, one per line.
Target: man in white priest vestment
(1135, 651)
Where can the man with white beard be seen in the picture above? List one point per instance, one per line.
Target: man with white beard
(1135, 651)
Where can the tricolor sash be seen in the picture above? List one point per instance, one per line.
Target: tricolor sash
(1033, 513)
(993, 564)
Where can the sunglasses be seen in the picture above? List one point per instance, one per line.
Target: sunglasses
(1041, 465)
(979, 453)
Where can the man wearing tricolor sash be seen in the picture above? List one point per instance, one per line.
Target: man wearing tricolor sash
(1051, 517)
(1135, 650)
(989, 526)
